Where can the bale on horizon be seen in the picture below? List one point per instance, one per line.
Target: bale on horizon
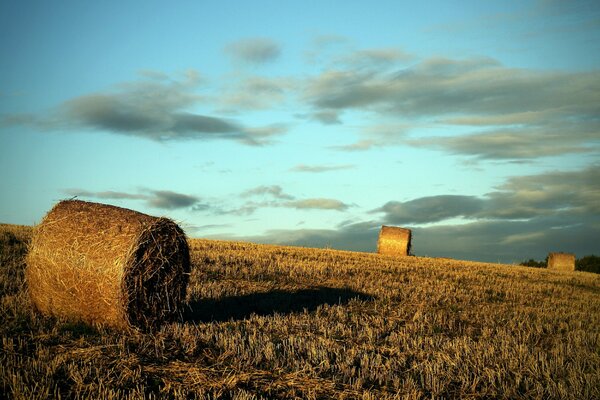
(561, 261)
(106, 265)
(394, 241)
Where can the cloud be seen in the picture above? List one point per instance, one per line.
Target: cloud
(317, 204)
(327, 117)
(550, 193)
(273, 196)
(530, 113)
(320, 168)
(373, 58)
(274, 190)
(526, 142)
(361, 145)
(441, 86)
(155, 108)
(508, 241)
(282, 199)
(161, 199)
(169, 200)
(431, 209)
(254, 51)
(263, 135)
(571, 193)
(255, 93)
(378, 135)
(149, 110)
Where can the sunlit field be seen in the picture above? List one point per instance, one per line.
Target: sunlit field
(264, 322)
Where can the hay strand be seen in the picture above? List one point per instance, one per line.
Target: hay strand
(561, 261)
(106, 265)
(394, 241)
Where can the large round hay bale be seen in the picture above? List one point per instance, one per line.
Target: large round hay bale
(394, 241)
(106, 265)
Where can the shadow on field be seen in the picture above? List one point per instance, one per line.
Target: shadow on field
(276, 301)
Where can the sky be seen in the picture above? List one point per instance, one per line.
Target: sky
(312, 123)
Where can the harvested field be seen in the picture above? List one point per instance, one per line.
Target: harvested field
(270, 322)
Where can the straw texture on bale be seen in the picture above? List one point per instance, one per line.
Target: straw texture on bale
(105, 265)
(561, 261)
(394, 241)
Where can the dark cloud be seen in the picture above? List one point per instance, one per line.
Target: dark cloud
(327, 117)
(254, 51)
(519, 198)
(431, 209)
(320, 168)
(154, 109)
(550, 193)
(162, 199)
(168, 200)
(509, 241)
(504, 241)
(317, 204)
(150, 110)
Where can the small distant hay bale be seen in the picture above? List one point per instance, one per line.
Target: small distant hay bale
(394, 241)
(110, 266)
(561, 261)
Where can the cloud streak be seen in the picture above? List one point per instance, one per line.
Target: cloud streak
(160, 199)
(317, 204)
(320, 168)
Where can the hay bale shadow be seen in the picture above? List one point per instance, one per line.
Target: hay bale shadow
(276, 301)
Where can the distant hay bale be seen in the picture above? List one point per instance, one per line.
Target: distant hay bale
(561, 261)
(394, 241)
(106, 265)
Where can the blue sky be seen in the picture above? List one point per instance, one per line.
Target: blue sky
(312, 123)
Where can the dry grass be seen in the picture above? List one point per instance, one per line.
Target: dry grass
(394, 241)
(106, 265)
(281, 322)
(561, 261)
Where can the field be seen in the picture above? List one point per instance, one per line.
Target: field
(282, 322)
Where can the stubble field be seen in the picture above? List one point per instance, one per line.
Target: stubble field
(282, 322)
